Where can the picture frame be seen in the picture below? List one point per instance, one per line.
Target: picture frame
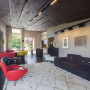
(80, 41)
(65, 42)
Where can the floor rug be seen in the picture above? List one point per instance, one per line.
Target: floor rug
(46, 76)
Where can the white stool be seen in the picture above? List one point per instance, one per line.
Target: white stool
(49, 58)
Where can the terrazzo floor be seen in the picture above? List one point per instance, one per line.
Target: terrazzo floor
(46, 76)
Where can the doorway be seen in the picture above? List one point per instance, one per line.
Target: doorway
(29, 43)
(51, 42)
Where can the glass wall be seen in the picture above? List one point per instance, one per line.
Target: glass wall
(16, 39)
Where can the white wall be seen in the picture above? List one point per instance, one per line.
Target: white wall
(36, 35)
(81, 50)
(44, 35)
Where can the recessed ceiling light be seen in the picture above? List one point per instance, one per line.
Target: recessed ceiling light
(28, 23)
(54, 1)
(39, 13)
(34, 18)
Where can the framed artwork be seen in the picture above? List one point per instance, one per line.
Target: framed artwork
(51, 42)
(80, 41)
(65, 42)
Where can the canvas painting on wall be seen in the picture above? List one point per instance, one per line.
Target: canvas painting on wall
(80, 41)
(65, 43)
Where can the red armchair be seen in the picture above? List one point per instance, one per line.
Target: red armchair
(7, 54)
(12, 72)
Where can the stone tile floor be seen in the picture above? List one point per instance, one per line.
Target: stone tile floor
(46, 76)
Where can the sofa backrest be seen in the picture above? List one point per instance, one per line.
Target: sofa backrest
(73, 57)
(78, 59)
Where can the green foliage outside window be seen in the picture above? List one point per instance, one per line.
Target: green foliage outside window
(16, 41)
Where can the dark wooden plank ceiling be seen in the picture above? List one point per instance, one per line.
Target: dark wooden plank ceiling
(17, 13)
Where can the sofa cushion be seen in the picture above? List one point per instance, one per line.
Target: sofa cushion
(74, 58)
(85, 61)
(84, 68)
(70, 63)
(8, 61)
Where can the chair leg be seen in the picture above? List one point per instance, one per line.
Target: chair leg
(14, 83)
